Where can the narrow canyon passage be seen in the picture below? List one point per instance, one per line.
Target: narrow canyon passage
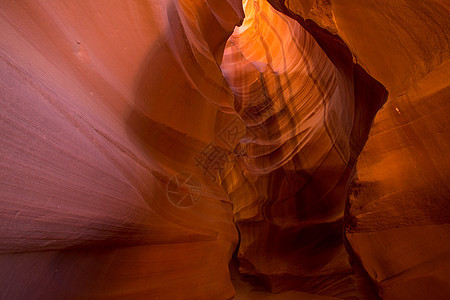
(304, 133)
(145, 142)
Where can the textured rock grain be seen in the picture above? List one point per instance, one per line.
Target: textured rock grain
(137, 135)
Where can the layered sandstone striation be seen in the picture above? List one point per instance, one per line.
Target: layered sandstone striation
(102, 103)
(398, 212)
(141, 142)
(288, 186)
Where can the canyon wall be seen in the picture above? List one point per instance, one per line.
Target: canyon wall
(307, 117)
(102, 104)
(398, 210)
(141, 141)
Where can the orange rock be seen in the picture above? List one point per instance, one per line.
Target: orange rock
(102, 104)
(305, 124)
(135, 136)
(398, 210)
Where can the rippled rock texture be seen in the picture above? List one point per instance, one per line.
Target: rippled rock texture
(142, 141)
(304, 132)
(102, 103)
(398, 210)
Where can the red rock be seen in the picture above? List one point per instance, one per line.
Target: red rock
(86, 155)
(398, 210)
(135, 136)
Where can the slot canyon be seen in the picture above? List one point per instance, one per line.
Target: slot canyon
(225, 149)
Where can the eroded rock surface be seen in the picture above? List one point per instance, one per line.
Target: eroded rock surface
(136, 135)
(102, 103)
(288, 185)
(398, 208)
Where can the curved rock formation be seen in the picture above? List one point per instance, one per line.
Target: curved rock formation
(95, 98)
(303, 136)
(398, 211)
(136, 137)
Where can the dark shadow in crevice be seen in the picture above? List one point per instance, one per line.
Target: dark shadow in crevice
(369, 96)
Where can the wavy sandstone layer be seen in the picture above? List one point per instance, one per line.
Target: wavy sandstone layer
(102, 103)
(142, 141)
(288, 186)
(398, 212)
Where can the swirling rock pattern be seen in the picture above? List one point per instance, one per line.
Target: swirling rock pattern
(102, 103)
(133, 134)
(398, 214)
(288, 185)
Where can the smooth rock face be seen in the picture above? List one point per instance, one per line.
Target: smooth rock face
(137, 135)
(102, 103)
(398, 210)
(288, 185)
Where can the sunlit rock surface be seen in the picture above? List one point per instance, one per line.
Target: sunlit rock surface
(398, 210)
(288, 185)
(141, 142)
